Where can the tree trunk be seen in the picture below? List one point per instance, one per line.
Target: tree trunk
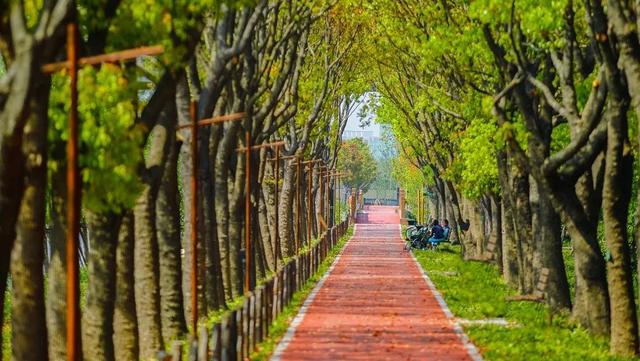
(496, 230)
(228, 245)
(266, 230)
(11, 190)
(214, 290)
(147, 287)
(147, 293)
(29, 331)
(125, 321)
(222, 220)
(97, 316)
(285, 206)
(552, 274)
(236, 230)
(617, 191)
(510, 270)
(522, 226)
(170, 248)
(57, 273)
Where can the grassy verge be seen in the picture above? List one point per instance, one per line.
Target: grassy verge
(281, 324)
(475, 291)
(6, 326)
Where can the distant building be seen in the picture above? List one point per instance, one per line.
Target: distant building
(376, 143)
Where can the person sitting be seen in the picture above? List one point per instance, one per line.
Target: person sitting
(437, 234)
(446, 228)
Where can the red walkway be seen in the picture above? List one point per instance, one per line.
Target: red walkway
(374, 305)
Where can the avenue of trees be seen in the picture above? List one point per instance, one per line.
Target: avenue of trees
(522, 117)
(288, 65)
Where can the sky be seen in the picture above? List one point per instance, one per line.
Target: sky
(353, 123)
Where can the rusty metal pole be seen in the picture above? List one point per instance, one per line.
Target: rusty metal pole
(326, 200)
(333, 200)
(339, 200)
(420, 207)
(193, 111)
(329, 221)
(321, 186)
(277, 179)
(298, 183)
(247, 213)
(74, 193)
(309, 203)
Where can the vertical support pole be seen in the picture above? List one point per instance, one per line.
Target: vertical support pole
(298, 190)
(309, 203)
(419, 208)
(193, 112)
(277, 180)
(339, 199)
(321, 186)
(334, 181)
(247, 213)
(329, 202)
(325, 185)
(74, 193)
(422, 210)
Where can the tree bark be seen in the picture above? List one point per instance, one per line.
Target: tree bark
(29, 331)
(617, 192)
(57, 280)
(552, 273)
(125, 320)
(170, 248)
(97, 316)
(285, 206)
(147, 293)
(147, 288)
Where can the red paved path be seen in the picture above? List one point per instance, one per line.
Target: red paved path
(375, 305)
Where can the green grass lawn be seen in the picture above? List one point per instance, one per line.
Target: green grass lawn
(475, 291)
(6, 327)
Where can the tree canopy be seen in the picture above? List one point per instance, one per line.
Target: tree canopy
(357, 162)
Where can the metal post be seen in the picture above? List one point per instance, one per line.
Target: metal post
(424, 216)
(421, 206)
(277, 179)
(247, 213)
(74, 193)
(329, 221)
(321, 186)
(333, 201)
(339, 200)
(309, 214)
(193, 111)
(298, 183)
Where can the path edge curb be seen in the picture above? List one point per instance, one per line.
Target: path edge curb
(302, 312)
(472, 350)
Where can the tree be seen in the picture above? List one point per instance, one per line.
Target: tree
(356, 160)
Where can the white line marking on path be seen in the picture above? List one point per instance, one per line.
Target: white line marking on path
(471, 348)
(288, 336)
